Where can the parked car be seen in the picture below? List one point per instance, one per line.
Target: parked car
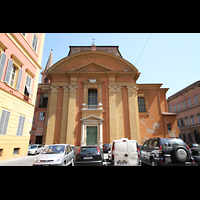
(35, 148)
(55, 154)
(106, 147)
(75, 149)
(90, 155)
(166, 151)
(193, 145)
(125, 152)
(196, 155)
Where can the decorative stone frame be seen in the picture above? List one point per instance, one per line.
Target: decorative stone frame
(145, 95)
(92, 84)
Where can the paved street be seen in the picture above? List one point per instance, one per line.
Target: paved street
(28, 161)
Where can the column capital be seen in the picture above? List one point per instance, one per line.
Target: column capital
(73, 88)
(54, 88)
(132, 88)
(118, 88)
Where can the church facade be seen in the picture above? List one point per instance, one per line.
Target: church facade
(92, 98)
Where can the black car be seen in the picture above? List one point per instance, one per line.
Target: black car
(196, 154)
(89, 156)
(106, 147)
(166, 152)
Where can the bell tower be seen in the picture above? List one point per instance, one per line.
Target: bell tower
(45, 80)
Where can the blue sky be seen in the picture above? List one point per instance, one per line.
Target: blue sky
(172, 59)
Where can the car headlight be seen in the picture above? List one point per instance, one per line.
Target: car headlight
(59, 159)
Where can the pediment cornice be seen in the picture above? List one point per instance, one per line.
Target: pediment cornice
(67, 59)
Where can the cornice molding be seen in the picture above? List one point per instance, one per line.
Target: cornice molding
(117, 58)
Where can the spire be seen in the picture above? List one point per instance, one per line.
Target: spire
(50, 61)
(48, 65)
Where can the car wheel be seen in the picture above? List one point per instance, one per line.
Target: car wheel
(71, 163)
(64, 163)
(153, 163)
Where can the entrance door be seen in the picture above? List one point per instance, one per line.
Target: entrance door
(38, 139)
(91, 137)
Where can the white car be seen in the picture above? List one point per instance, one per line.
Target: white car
(125, 152)
(35, 148)
(55, 154)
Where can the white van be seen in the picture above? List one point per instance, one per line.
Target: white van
(125, 152)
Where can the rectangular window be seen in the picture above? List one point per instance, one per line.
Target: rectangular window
(184, 104)
(27, 89)
(12, 75)
(174, 107)
(187, 121)
(16, 151)
(5, 115)
(168, 126)
(198, 117)
(179, 107)
(1, 152)
(193, 119)
(20, 125)
(196, 100)
(189, 102)
(141, 104)
(41, 117)
(92, 98)
(34, 43)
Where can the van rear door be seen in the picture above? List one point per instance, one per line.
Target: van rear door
(133, 153)
(121, 153)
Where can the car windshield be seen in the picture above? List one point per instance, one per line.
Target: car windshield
(32, 146)
(170, 143)
(88, 150)
(54, 149)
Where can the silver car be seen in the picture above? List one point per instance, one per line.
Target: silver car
(55, 154)
(35, 148)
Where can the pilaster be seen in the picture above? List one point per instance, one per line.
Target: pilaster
(112, 112)
(51, 115)
(71, 114)
(133, 113)
(119, 113)
(63, 132)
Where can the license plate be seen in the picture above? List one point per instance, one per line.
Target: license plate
(168, 159)
(86, 158)
(121, 162)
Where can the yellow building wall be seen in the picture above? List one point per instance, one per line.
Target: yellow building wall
(10, 141)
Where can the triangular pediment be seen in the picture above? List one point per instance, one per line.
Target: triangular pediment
(92, 117)
(93, 67)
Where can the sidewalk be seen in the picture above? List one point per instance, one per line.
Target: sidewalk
(22, 161)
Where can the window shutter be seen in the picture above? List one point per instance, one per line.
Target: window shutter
(2, 63)
(6, 123)
(8, 72)
(5, 115)
(20, 125)
(19, 79)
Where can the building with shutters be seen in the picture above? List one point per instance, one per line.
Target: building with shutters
(93, 98)
(20, 60)
(186, 104)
